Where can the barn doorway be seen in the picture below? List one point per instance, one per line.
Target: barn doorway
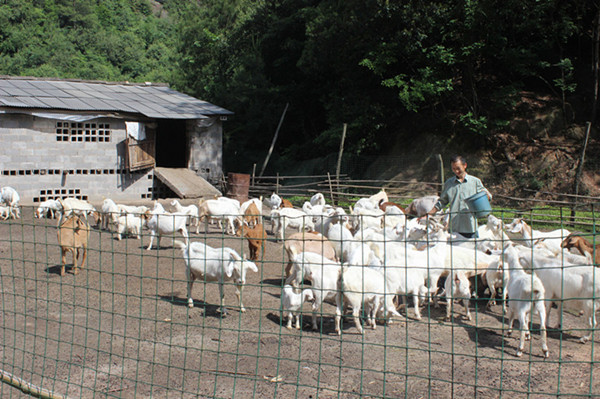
(171, 144)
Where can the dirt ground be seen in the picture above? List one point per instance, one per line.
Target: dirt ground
(122, 328)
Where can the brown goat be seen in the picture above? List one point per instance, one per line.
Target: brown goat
(252, 215)
(305, 241)
(286, 203)
(256, 239)
(584, 246)
(384, 204)
(73, 234)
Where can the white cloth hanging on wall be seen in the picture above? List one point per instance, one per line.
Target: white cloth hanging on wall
(136, 130)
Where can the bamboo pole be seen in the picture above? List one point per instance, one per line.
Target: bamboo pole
(274, 140)
(580, 170)
(339, 161)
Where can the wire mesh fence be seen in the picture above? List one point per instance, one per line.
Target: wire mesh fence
(123, 326)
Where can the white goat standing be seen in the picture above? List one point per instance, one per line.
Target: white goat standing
(50, 208)
(292, 301)
(525, 291)
(321, 272)
(191, 211)
(161, 223)
(215, 264)
(364, 287)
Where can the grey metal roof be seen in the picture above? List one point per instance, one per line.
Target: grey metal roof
(151, 100)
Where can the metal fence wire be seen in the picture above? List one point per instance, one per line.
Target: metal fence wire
(124, 327)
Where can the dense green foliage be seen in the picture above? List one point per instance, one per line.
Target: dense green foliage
(102, 40)
(390, 69)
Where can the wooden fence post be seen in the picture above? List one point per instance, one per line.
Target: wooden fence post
(330, 189)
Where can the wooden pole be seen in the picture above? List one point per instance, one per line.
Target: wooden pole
(339, 161)
(439, 156)
(253, 174)
(274, 140)
(330, 189)
(580, 170)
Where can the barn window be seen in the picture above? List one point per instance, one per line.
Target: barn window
(83, 132)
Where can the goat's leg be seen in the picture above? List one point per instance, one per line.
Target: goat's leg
(83, 258)
(315, 308)
(75, 257)
(468, 312)
(238, 291)
(356, 315)
(524, 330)
(417, 309)
(492, 300)
(190, 284)
(152, 240)
(591, 317)
(504, 296)
(63, 260)
(222, 296)
(543, 336)
(511, 320)
(289, 316)
(338, 314)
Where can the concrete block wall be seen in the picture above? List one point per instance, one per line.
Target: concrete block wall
(39, 166)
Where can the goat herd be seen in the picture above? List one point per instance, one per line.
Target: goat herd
(360, 259)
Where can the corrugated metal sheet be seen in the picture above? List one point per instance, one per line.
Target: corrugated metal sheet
(153, 101)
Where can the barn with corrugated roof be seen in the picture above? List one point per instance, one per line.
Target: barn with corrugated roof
(91, 140)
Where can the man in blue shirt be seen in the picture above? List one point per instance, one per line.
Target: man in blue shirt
(456, 190)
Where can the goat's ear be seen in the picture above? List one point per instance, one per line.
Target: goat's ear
(229, 268)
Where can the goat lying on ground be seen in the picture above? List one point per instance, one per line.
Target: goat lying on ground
(73, 235)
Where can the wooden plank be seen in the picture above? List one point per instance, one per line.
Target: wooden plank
(185, 183)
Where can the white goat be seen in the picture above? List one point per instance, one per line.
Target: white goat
(76, 206)
(363, 286)
(525, 291)
(290, 217)
(275, 201)
(50, 208)
(535, 238)
(317, 199)
(291, 303)
(457, 287)
(572, 286)
(4, 212)
(191, 211)
(341, 239)
(496, 277)
(215, 264)
(10, 197)
(420, 206)
(321, 272)
(161, 223)
(222, 210)
(129, 224)
(109, 212)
